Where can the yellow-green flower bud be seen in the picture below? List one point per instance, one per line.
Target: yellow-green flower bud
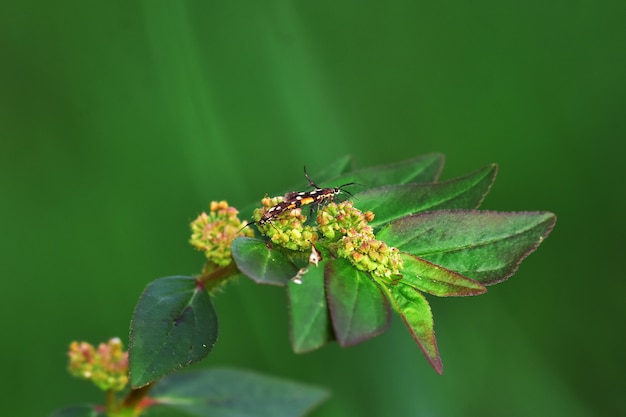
(107, 366)
(286, 229)
(213, 233)
(336, 220)
(347, 226)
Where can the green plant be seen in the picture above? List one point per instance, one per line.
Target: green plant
(345, 270)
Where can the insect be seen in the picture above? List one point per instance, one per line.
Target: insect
(297, 199)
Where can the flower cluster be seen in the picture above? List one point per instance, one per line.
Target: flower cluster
(214, 232)
(336, 220)
(354, 239)
(287, 229)
(107, 366)
(344, 227)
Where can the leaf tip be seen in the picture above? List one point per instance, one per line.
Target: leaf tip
(437, 365)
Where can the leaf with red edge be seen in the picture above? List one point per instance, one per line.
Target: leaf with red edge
(487, 246)
(416, 313)
(358, 308)
(434, 279)
(395, 201)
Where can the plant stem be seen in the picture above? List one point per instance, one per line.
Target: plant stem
(111, 403)
(214, 277)
(135, 396)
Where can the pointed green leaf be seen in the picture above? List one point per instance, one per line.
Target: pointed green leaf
(256, 259)
(310, 325)
(487, 246)
(232, 393)
(358, 308)
(395, 201)
(80, 410)
(434, 279)
(173, 325)
(416, 313)
(424, 168)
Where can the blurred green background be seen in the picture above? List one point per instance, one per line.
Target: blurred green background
(121, 121)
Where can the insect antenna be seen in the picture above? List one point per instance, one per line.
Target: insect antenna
(346, 191)
(247, 225)
(257, 224)
(347, 185)
(311, 183)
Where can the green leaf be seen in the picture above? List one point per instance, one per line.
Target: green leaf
(433, 279)
(232, 393)
(173, 325)
(257, 260)
(80, 410)
(395, 201)
(310, 325)
(487, 246)
(358, 308)
(424, 168)
(418, 317)
(335, 169)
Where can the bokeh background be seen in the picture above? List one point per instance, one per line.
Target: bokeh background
(121, 121)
